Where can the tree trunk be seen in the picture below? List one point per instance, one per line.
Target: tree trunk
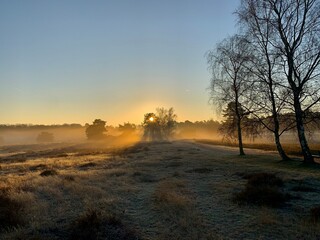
(281, 152)
(308, 158)
(240, 136)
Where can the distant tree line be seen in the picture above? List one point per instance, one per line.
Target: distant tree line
(36, 127)
(269, 73)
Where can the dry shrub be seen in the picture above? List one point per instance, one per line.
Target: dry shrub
(264, 179)
(88, 165)
(86, 227)
(37, 167)
(172, 195)
(179, 217)
(92, 225)
(11, 211)
(315, 214)
(262, 189)
(47, 173)
(69, 178)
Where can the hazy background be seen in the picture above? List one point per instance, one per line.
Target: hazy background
(73, 61)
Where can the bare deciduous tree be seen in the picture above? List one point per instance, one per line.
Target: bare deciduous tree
(229, 82)
(267, 97)
(295, 36)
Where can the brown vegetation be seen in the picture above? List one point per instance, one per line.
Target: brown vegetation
(262, 189)
(11, 211)
(163, 190)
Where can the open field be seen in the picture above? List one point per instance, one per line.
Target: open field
(164, 190)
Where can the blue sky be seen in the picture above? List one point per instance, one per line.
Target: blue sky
(67, 61)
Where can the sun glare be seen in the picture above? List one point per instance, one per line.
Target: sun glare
(151, 119)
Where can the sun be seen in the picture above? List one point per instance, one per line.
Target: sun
(151, 119)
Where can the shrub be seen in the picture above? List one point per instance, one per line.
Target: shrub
(96, 130)
(86, 227)
(262, 189)
(92, 225)
(264, 179)
(11, 212)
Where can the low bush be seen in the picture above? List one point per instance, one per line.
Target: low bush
(264, 179)
(86, 227)
(92, 225)
(11, 212)
(263, 189)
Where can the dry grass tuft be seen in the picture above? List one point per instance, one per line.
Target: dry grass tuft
(88, 165)
(37, 167)
(86, 227)
(172, 195)
(11, 211)
(93, 225)
(69, 178)
(47, 173)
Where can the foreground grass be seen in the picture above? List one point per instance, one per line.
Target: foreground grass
(179, 190)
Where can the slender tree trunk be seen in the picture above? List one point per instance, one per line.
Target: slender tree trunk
(240, 137)
(308, 158)
(281, 152)
(280, 149)
(241, 152)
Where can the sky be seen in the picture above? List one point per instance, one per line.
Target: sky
(72, 61)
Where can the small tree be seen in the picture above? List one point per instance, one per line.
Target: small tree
(229, 82)
(96, 130)
(127, 128)
(159, 126)
(151, 127)
(167, 121)
(44, 137)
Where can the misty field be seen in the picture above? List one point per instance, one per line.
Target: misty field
(160, 190)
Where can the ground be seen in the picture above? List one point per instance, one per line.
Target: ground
(163, 190)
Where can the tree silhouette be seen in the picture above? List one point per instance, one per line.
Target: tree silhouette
(229, 82)
(167, 121)
(159, 126)
(151, 127)
(96, 130)
(127, 128)
(294, 27)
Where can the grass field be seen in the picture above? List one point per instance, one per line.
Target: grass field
(164, 190)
